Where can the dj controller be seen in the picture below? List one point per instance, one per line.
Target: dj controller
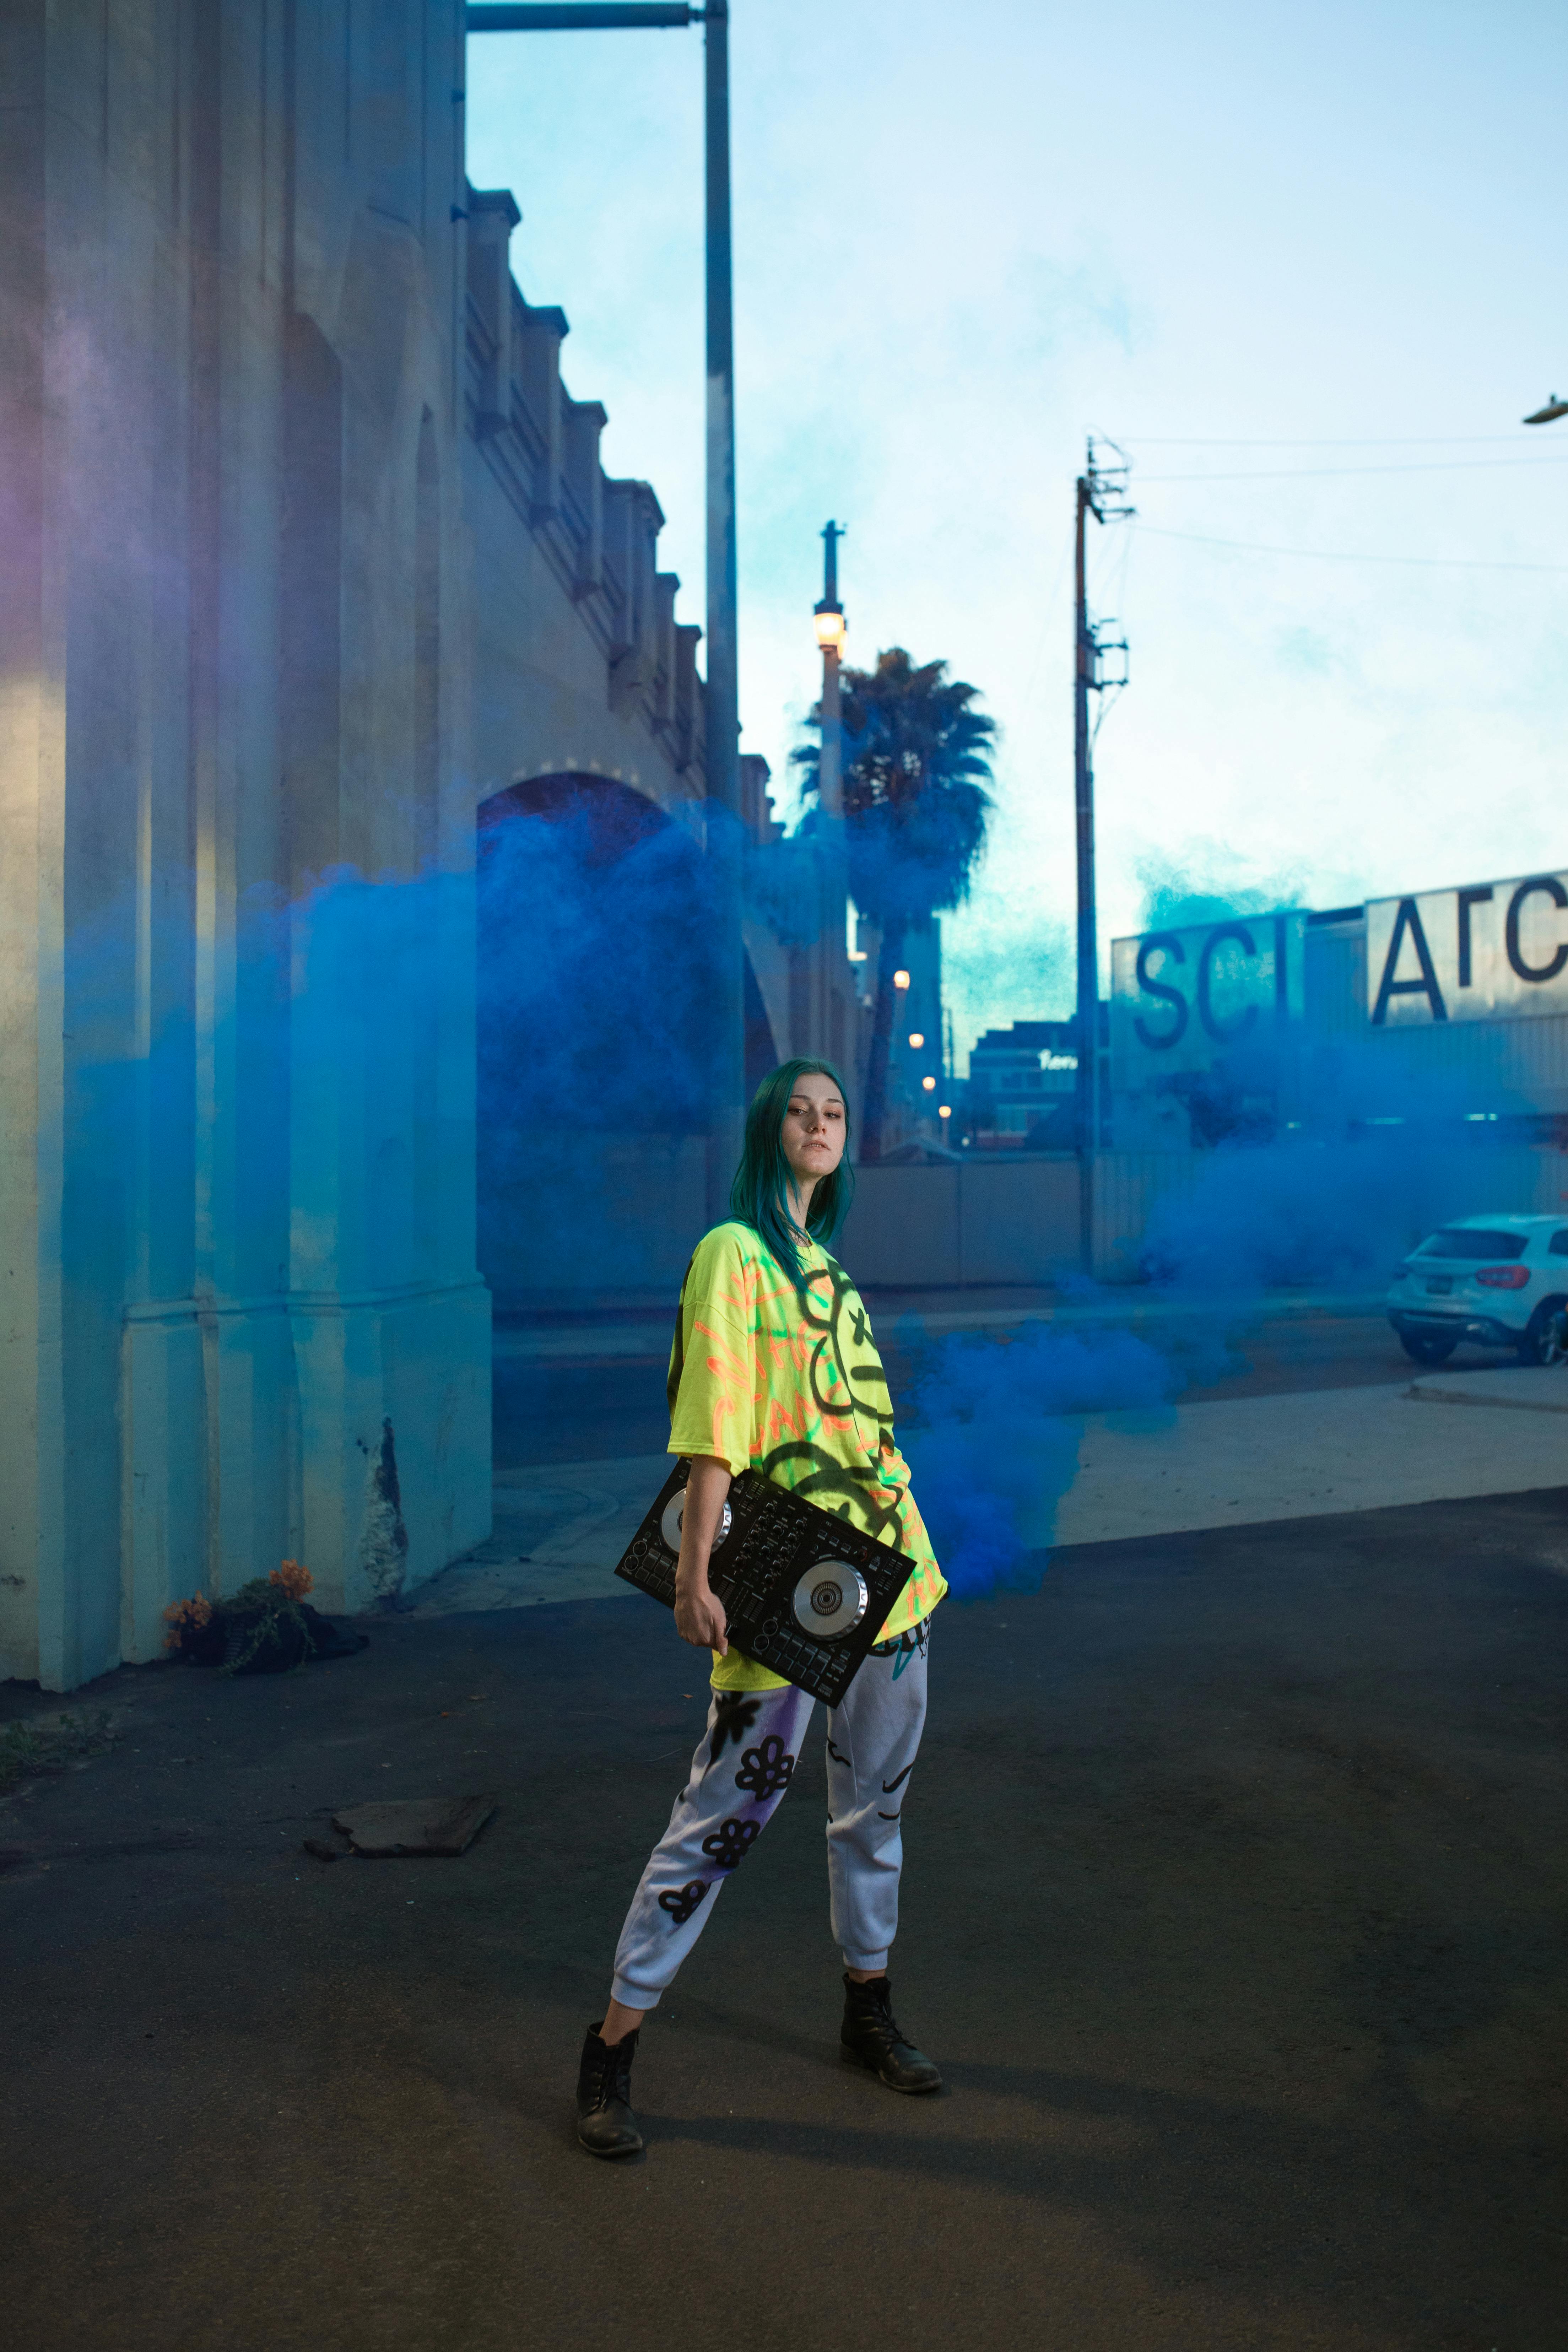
(804, 1593)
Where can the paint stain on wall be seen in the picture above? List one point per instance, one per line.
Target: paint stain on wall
(383, 1542)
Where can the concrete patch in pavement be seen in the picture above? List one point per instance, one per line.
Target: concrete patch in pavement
(559, 1530)
(1249, 1460)
(1520, 1387)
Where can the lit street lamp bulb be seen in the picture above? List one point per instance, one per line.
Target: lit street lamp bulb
(831, 628)
(944, 1110)
(917, 1037)
(929, 1085)
(900, 980)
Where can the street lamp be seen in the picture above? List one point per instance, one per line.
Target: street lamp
(1552, 410)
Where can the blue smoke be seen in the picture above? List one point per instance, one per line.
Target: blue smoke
(1382, 1154)
(1197, 889)
(992, 1437)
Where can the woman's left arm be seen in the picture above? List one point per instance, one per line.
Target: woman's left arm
(698, 1611)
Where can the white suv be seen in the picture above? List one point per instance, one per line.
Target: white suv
(1500, 1281)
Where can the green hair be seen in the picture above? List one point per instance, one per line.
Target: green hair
(760, 1189)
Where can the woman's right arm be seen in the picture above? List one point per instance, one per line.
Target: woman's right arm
(698, 1611)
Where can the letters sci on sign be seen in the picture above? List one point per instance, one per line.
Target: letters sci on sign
(1179, 998)
(1490, 951)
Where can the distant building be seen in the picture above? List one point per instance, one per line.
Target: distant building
(1021, 1089)
(1446, 1008)
(919, 1081)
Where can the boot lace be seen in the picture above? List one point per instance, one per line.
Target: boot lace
(613, 2074)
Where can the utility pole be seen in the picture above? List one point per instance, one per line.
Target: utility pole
(834, 1013)
(722, 681)
(723, 703)
(831, 628)
(1102, 492)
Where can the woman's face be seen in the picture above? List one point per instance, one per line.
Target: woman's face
(814, 1129)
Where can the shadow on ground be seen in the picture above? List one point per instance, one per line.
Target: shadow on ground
(1234, 1910)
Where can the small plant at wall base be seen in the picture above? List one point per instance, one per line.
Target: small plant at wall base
(267, 1627)
(916, 761)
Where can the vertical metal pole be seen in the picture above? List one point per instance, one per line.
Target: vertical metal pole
(832, 864)
(830, 772)
(723, 697)
(829, 767)
(833, 868)
(723, 653)
(1088, 957)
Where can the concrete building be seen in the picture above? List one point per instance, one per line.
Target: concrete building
(306, 555)
(1447, 1007)
(1021, 1092)
(588, 708)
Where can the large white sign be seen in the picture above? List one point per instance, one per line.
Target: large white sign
(1181, 999)
(1492, 951)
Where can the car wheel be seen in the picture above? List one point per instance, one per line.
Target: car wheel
(1545, 1339)
(1422, 1350)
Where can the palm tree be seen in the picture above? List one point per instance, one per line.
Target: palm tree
(916, 761)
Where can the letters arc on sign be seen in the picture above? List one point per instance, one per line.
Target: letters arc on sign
(1485, 951)
(1181, 999)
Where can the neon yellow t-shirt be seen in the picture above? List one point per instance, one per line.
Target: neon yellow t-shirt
(794, 1387)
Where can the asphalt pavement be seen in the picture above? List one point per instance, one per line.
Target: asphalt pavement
(1234, 1910)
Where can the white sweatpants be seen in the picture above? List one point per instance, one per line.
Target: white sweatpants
(741, 1767)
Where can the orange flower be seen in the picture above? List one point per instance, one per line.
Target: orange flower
(186, 1615)
(295, 1581)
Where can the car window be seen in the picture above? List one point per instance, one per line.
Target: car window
(1558, 1246)
(1472, 1242)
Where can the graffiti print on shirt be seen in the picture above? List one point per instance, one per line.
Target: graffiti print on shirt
(788, 1380)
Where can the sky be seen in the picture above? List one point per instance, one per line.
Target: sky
(1305, 267)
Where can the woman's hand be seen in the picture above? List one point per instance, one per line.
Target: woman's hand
(698, 1611)
(700, 1616)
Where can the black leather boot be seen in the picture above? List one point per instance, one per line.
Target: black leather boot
(605, 2124)
(870, 2037)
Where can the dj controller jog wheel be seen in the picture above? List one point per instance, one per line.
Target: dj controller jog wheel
(830, 1598)
(670, 1524)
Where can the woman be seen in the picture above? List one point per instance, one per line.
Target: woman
(774, 1369)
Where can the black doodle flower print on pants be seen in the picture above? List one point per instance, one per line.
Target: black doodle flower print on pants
(681, 1902)
(766, 1770)
(731, 1842)
(872, 1741)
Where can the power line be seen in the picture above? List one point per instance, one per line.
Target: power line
(1404, 441)
(1322, 473)
(1331, 555)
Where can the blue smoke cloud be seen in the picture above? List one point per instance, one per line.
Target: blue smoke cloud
(1205, 886)
(992, 1437)
(598, 1002)
(1381, 1154)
